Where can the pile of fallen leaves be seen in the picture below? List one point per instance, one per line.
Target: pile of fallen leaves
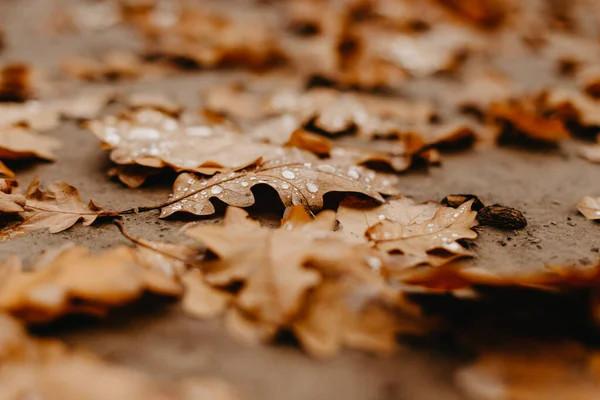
(345, 112)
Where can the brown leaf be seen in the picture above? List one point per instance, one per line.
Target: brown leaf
(354, 306)
(19, 142)
(557, 372)
(202, 300)
(155, 100)
(526, 120)
(57, 209)
(9, 202)
(254, 255)
(206, 39)
(457, 276)
(150, 138)
(114, 65)
(134, 175)
(277, 268)
(73, 280)
(38, 367)
(416, 240)
(354, 314)
(589, 207)
(356, 216)
(296, 183)
(574, 105)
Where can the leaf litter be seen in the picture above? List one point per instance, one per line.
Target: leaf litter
(348, 285)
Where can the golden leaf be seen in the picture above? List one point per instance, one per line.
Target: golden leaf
(56, 209)
(72, 280)
(296, 183)
(151, 138)
(356, 216)
(416, 240)
(19, 142)
(270, 262)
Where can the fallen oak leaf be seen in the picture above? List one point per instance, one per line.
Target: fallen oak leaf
(277, 267)
(181, 263)
(72, 280)
(20, 142)
(270, 262)
(296, 183)
(590, 207)
(56, 209)
(417, 240)
(528, 121)
(356, 216)
(355, 314)
(151, 138)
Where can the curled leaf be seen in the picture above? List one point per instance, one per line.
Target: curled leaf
(296, 183)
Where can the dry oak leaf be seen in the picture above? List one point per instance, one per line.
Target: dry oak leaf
(526, 120)
(151, 138)
(356, 216)
(573, 105)
(48, 369)
(354, 306)
(10, 202)
(590, 207)
(182, 263)
(355, 314)
(395, 153)
(416, 240)
(211, 40)
(551, 278)
(560, 372)
(19, 142)
(57, 209)
(269, 262)
(296, 183)
(73, 280)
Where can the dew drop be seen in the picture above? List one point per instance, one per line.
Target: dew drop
(352, 173)
(330, 169)
(216, 189)
(287, 174)
(312, 187)
(374, 262)
(284, 185)
(244, 184)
